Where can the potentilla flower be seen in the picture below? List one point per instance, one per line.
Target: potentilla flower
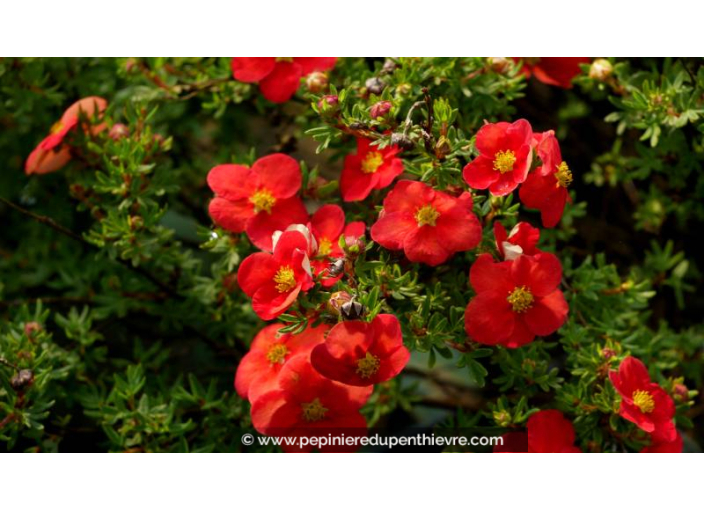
(307, 404)
(278, 77)
(52, 154)
(644, 402)
(428, 225)
(548, 431)
(516, 300)
(505, 155)
(274, 281)
(327, 225)
(522, 240)
(674, 446)
(362, 353)
(259, 200)
(258, 371)
(546, 188)
(370, 168)
(557, 71)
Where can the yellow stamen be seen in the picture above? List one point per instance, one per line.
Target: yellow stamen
(563, 175)
(262, 200)
(277, 353)
(284, 59)
(427, 215)
(285, 279)
(372, 162)
(324, 246)
(644, 401)
(57, 127)
(313, 411)
(504, 161)
(367, 366)
(520, 299)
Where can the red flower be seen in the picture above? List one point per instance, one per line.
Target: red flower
(522, 240)
(505, 155)
(257, 372)
(278, 77)
(371, 168)
(327, 225)
(558, 71)
(644, 402)
(546, 188)
(362, 353)
(259, 200)
(428, 225)
(307, 404)
(516, 300)
(51, 154)
(675, 446)
(274, 281)
(547, 432)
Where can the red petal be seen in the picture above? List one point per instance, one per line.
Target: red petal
(262, 226)
(423, 244)
(41, 161)
(328, 222)
(233, 182)
(489, 319)
(354, 184)
(280, 174)
(541, 273)
(252, 69)
(549, 432)
(268, 303)
(480, 173)
(490, 138)
(282, 83)
(310, 64)
(486, 275)
(547, 314)
(256, 270)
(229, 215)
(88, 107)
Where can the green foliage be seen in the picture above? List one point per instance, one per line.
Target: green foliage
(121, 324)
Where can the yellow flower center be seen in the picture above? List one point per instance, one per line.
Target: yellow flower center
(285, 279)
(427, 215)
(313, 411)
(520, 299)
(372, 162)
(262, 200)
(324, 246)
(504, 161)
(563, 175)
(367, 366)
(644, 401)
(57, 127)
(284, 59)
(277, 353)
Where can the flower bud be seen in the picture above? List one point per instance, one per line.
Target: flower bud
(389, 66)
(442, 147)
(337, 299)
(375, 85)
(22, 379)
(352, 310)
(402, 140)
(328, 105)
(118, 131)
(681, 392)
(380, 109)
(317, 82)
(500, 65)
(608, 353)
(601, 69)
(32, 328)
(502, 418)
(403, 89)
